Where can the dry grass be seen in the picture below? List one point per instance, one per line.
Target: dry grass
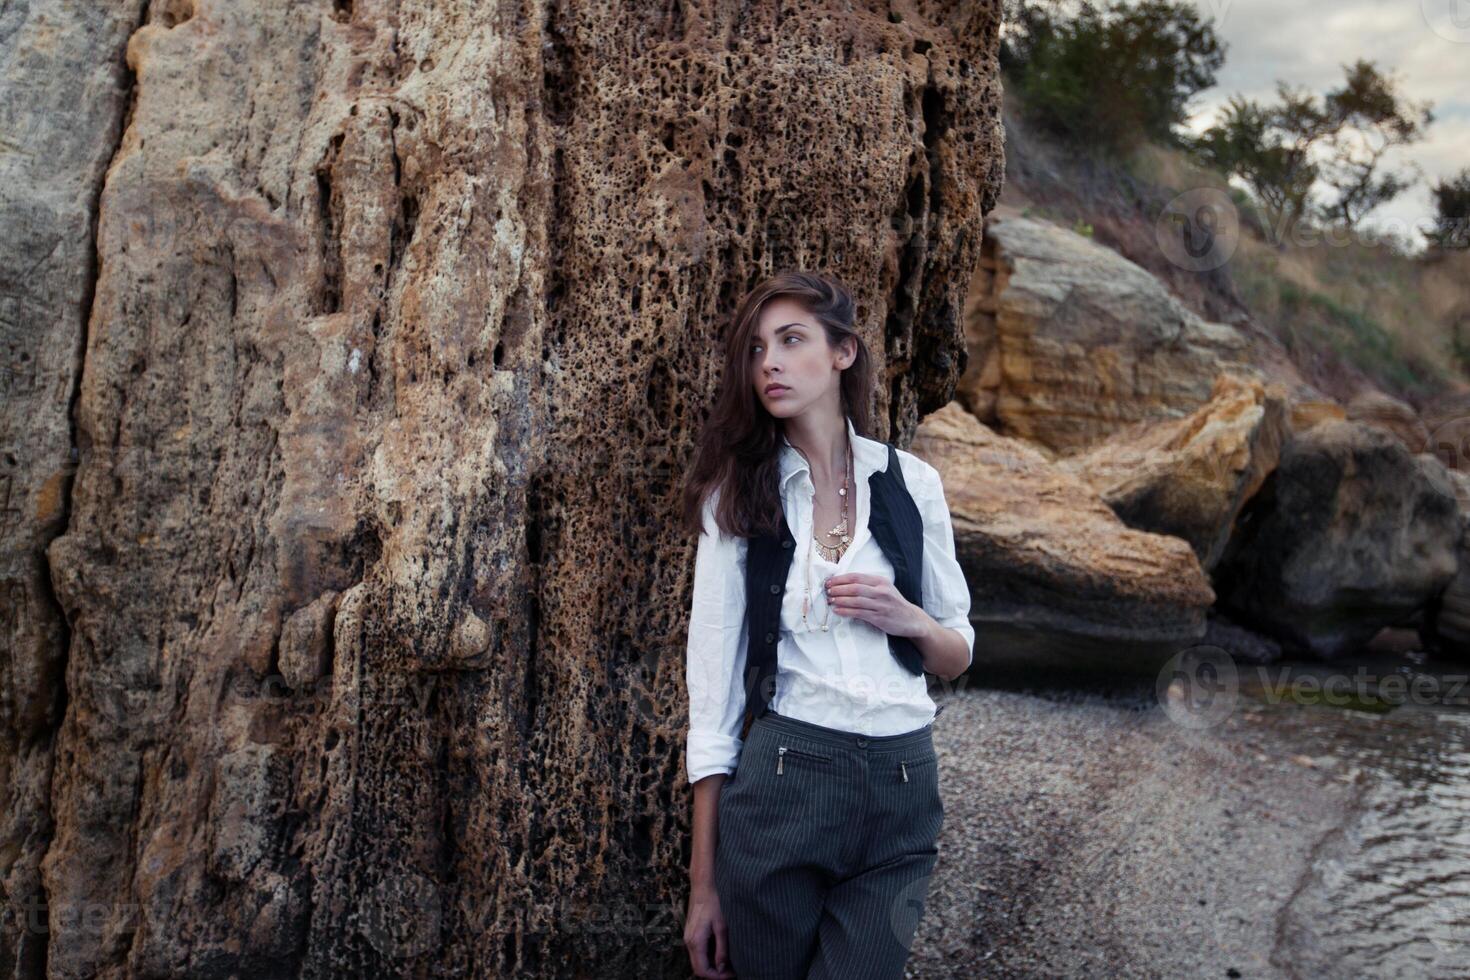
(1338, 303)
(1390, 315)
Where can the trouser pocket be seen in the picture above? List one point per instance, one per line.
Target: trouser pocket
(799, 754)
(919, 782)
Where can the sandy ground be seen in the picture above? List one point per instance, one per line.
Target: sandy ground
(1088, 835)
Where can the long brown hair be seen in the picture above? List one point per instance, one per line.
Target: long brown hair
(739, 447)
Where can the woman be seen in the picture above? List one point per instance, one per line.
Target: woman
(816, 794)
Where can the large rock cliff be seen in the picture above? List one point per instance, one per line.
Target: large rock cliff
(355, 347)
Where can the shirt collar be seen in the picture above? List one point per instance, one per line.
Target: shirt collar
(869, 456)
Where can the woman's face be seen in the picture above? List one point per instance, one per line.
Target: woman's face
(790, 349)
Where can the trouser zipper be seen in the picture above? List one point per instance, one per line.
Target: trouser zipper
(781, 751)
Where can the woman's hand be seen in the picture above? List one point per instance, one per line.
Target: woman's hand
(876, 601)
(704, 923)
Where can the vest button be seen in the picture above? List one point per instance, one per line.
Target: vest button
(786, 544)
(770, 637)
(775, 588)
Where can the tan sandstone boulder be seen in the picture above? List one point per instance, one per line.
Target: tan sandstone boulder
(1055, 577)
(1069, 341)
(1190, 477)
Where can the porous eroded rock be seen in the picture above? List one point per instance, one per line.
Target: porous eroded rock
(1078, 342)
(403, 320)
(1055, 577)
(1190, 477)
(1349, 534)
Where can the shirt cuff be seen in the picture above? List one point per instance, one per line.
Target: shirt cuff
(962, 625)
(710, 752)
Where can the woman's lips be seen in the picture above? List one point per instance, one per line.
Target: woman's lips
(776, 391)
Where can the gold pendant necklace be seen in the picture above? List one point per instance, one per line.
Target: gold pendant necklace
(836, 550)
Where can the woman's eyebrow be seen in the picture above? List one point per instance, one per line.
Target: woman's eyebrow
(776, 333)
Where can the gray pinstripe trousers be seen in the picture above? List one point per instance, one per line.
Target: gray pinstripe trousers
(827, 840)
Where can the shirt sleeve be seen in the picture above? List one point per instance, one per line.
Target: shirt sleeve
(946, 596)
(715, 661)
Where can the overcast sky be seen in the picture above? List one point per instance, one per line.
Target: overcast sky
(1424, 43)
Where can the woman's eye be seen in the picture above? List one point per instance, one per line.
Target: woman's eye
(756, 349)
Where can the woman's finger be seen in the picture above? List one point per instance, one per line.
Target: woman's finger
(699, 952)
(722, 962)
(871, 601)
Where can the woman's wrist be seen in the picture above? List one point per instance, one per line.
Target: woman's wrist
(923, 623)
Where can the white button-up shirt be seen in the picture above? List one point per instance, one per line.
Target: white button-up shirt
(845, 677)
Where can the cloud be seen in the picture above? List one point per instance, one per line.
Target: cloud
(1417, 43)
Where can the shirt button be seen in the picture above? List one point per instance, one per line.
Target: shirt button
(775, 588)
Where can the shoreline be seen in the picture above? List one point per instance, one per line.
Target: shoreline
(1088, 834)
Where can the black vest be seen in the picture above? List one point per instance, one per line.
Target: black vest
(898, 528)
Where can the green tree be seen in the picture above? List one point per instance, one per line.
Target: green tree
(1368, 117)
(1268, 147)
(1110, 77)
(1452, 211)
(1282, 151)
